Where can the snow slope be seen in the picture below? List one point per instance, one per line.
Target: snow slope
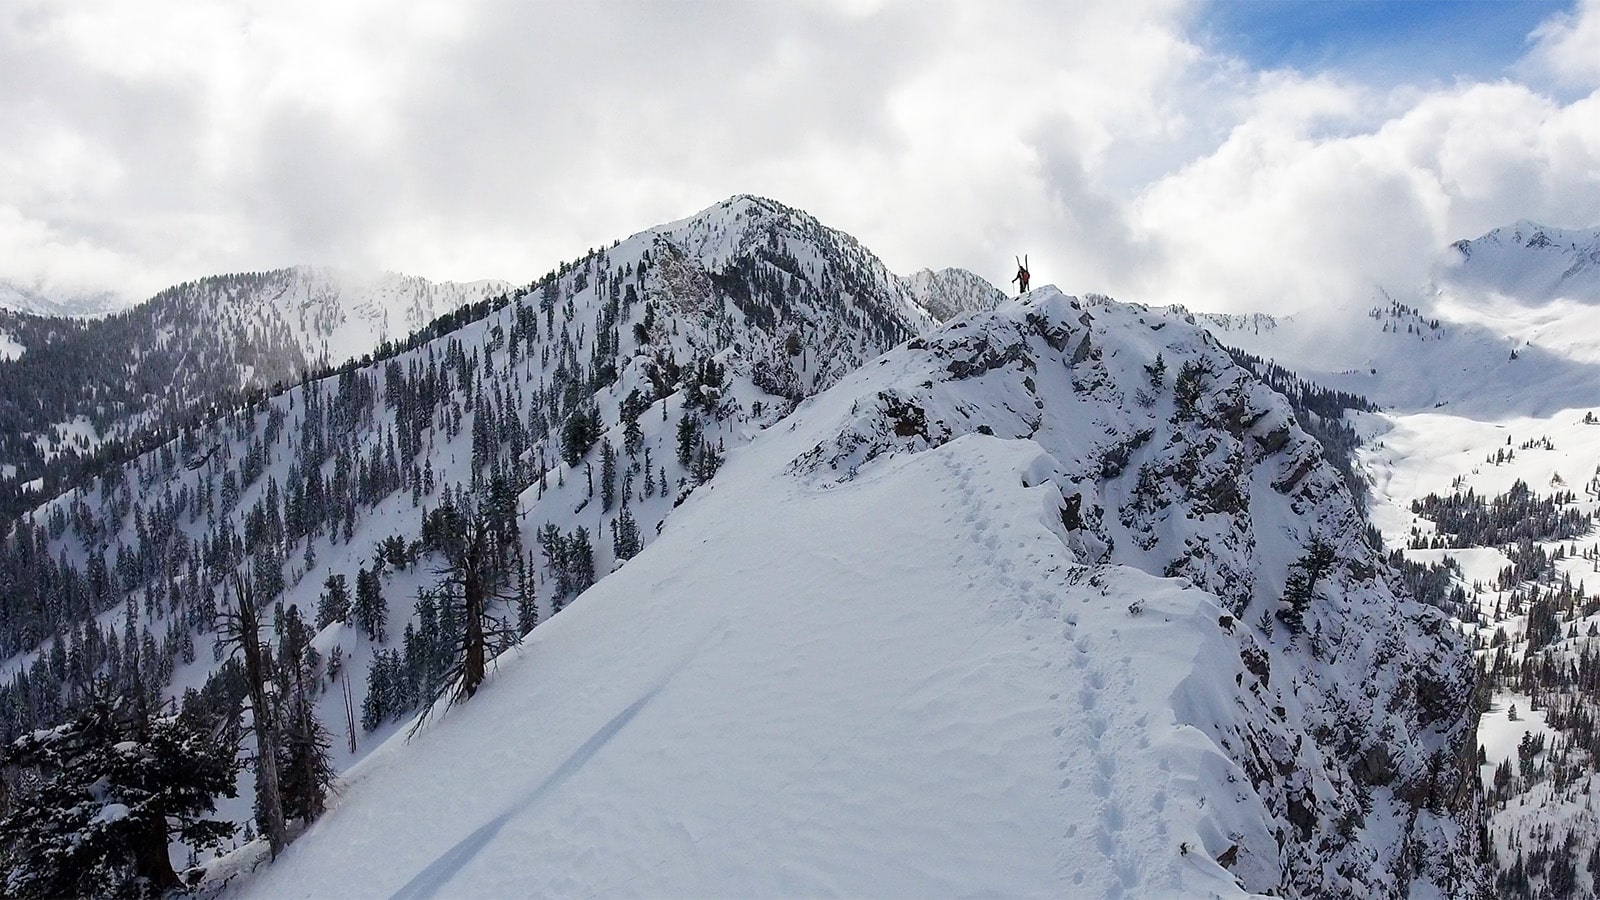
(904, 644)
(791, 697)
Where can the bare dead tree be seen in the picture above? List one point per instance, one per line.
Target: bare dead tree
(241, 627)
(475, 579)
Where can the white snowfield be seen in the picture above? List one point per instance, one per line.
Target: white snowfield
(902, 672)
(904, 686)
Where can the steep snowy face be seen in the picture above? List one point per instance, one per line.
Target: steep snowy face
(1530, 263)
(948, 293)
(1355, 731)
(777, 270)
(324, 316)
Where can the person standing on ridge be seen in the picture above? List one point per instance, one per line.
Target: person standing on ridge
(1021, 278)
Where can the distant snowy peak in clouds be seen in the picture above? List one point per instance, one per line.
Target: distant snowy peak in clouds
(337, 314)
(948, 293)
(1530, 262)
(36, 302)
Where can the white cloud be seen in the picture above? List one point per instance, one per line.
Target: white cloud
(1278, 217)
(159, 141)
(1567, 46)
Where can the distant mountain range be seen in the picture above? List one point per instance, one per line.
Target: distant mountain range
(1530, 263)
(16, 298)
(69, 385)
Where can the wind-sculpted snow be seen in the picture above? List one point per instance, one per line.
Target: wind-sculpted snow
(990, 616)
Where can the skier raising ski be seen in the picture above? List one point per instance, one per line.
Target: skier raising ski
(1021, 278)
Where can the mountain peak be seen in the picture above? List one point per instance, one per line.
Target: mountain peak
(1530, 262)
(950, 292)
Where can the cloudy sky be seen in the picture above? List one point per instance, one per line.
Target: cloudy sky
(1234, 155)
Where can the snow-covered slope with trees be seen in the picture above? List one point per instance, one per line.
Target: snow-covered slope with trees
(612, 386)
(1482, 470)
(135, 376)
(998, 613)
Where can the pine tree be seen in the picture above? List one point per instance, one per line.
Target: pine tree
(104, 795)
(608, 476)
(241, 630)
(474, 576)
(688, 438)
(1302, 583)
(633, 436)
(334, 605)
(579, 433)
(554, 547)
(624, 535)
(370, 608)
(305, 767)
(580, 560)
(527, 606)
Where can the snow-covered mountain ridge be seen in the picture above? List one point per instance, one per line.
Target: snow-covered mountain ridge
(948, 293)
(868, 573)
(991, 604)
(1530, 263)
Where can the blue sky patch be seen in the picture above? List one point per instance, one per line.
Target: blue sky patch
(1412, 40)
